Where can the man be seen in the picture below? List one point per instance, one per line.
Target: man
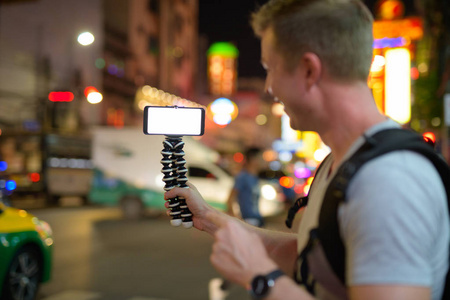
(395, 224)
(246, 188)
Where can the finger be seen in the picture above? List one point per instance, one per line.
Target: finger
(176, 192)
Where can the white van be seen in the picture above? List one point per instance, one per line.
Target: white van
(127, 172)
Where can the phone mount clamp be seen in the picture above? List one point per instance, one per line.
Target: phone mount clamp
(174, 172)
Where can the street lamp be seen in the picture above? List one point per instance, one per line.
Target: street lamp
(85, 38)
(92, 95)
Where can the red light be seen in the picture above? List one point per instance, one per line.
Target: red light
(238, 157)
(414, 73)
(287, 182)
(90, 89)
(60, 96)
(34, 177)
(429, 137)
(298, 188)
(119, 122)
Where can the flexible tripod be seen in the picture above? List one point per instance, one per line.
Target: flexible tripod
(174, 172)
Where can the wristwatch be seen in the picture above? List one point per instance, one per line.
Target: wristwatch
(261, 284)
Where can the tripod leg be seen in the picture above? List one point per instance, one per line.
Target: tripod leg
(170, 180)
(186, 214)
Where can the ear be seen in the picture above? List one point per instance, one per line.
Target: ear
(312, 66)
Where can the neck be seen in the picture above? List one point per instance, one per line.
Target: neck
(351, 110)
(251, 169)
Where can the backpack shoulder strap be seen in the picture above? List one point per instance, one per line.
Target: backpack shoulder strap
(381, 143)
(302, 201)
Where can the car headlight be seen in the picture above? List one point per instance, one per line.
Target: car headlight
(44, 230)
(268, 192)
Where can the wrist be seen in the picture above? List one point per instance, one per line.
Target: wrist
(208, 217)
(264, 267)
(262, 284)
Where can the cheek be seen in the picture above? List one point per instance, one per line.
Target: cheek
(276, 87)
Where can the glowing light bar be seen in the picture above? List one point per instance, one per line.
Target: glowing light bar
(60, 96)
(398, 85)
(411, 27)
(222, 68)
(389, 43)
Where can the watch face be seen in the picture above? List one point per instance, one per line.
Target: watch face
(260, 286)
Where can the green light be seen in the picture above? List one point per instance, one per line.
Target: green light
(223, 49)
(100, 63)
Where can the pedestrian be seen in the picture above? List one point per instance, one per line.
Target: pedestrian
(246, 190)
(395, 222)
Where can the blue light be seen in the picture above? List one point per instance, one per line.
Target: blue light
(112, 69)
(3, 166)
(222, 106)
(389, 43)
(11, 185)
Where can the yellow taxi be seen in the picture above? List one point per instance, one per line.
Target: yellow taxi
(26, 253)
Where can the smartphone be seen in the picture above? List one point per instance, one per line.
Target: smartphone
(174, 120)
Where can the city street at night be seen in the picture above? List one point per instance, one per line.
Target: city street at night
(109, 106)
(98, 255)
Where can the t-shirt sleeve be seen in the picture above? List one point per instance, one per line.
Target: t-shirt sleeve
(390, 222)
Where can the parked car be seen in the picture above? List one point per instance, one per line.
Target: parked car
(26, 253)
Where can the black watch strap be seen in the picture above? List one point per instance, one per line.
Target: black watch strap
(274, 274)
(261, 284)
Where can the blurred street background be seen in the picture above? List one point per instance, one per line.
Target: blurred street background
(101, 256)
(75, 76)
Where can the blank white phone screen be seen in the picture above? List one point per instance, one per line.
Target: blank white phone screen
(174, 121)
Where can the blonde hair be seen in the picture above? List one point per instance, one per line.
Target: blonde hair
(339, 32)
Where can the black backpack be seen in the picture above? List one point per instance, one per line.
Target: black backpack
(328, 229)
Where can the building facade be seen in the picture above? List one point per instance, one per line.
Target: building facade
(137, 43)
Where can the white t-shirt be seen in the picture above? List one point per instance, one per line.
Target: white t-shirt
(394, 225)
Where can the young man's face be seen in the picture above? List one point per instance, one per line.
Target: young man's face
(286, 87)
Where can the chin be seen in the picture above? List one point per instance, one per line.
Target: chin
(294, 126)
(300, 126)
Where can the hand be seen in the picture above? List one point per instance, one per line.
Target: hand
(237, 253)
(195, 202)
